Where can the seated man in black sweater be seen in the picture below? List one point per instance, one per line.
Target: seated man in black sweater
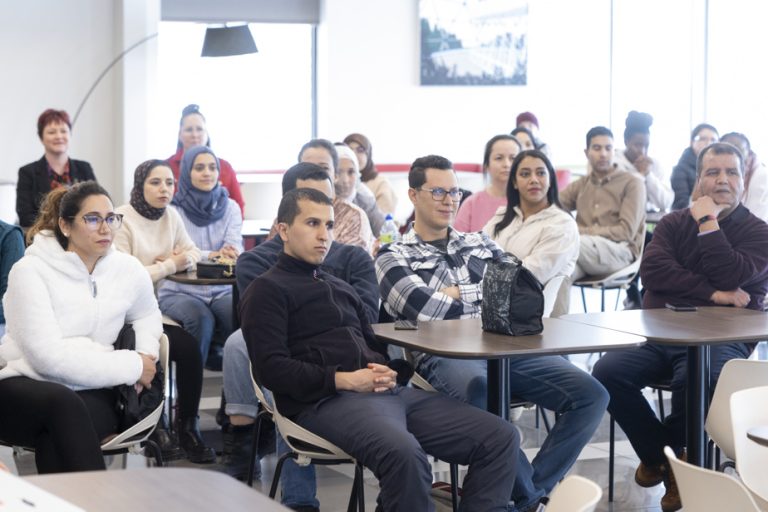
(311, 344)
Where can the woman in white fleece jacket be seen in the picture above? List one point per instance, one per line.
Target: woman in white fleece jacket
(66, 302)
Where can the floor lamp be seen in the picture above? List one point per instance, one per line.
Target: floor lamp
(224, 41)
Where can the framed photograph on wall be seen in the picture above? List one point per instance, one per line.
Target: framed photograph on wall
(474, 42)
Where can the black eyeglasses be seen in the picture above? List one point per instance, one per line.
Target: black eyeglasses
(94, 221)
(439, 193)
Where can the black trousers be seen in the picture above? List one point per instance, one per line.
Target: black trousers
(63, 426)
(184, 350)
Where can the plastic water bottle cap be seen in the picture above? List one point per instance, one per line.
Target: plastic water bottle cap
(388, 217)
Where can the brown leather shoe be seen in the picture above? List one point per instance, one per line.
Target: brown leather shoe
(649, 476)
(671, 499)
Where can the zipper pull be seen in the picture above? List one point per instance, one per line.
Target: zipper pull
(315, 276)
(94, 289)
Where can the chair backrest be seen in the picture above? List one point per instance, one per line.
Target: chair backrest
(748, 410)
(139, 432)
(705, 490)
(266, 404)
(306, 444)
(574, 494)
(551, 290)
(737, 374)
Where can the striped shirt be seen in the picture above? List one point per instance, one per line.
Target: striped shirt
(411, 273)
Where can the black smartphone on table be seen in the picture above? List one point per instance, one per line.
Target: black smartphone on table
(680, 306)
(406, 325)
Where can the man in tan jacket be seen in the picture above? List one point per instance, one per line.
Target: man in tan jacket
(610, 210)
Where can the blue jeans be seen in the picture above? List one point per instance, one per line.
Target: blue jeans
(298, 484)
(200, 318)
(551, 382)
(625, 373)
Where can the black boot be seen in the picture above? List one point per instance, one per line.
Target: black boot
(238, 445)
(166, 441)
(192, 443)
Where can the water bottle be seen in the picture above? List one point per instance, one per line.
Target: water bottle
(389, 232)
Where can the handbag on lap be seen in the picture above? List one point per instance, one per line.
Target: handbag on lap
(131, 406)
(513, 299)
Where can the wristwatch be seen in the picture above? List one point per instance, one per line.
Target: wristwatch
(706, 218)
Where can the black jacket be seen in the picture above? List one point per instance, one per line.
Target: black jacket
(683, 179)
(347, 262)
(33, 184)
(301, 326)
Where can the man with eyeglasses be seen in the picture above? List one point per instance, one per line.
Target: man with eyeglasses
(436, 273)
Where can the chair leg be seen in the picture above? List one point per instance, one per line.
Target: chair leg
(278, 471)
(602, 300)
(661, 405)
(544, 418)
(360, 488)
(611, 455)
(583, 299)
(157, 453)
(455, 487)
(618, 296)
(255, 448)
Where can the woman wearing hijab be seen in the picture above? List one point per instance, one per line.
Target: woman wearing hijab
(193, 132)
(155, 235)
(386, 199)
(214, 224)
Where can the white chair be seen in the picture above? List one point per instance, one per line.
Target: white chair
(574, 494)
(737, 374)
(748, 409)
(308, 448)
(551, 290)
(130, 440)
(704, 490)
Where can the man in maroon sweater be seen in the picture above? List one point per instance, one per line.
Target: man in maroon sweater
(714, 253)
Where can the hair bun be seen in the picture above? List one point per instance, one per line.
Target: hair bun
(190, 109)
(639, 121)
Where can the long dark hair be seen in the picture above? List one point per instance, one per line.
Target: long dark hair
(513, 195)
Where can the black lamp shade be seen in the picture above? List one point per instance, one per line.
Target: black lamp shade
(227, 41)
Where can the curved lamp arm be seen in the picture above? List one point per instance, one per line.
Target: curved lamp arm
(106, 70)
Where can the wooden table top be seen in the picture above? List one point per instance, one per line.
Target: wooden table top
(166, 489)
(465, 339)
(191, 278)
(704, 326)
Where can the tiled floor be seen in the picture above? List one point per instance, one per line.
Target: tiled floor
(334, 482)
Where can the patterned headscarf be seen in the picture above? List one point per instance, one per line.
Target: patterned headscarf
(202, 208)
(138, 201)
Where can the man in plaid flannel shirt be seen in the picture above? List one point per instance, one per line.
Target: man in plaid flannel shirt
(436, 273)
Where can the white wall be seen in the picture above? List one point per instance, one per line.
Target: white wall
(51, 52)
(369, 82)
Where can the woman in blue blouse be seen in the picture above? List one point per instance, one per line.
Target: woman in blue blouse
(214, 223)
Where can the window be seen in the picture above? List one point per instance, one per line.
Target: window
(258, 107)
